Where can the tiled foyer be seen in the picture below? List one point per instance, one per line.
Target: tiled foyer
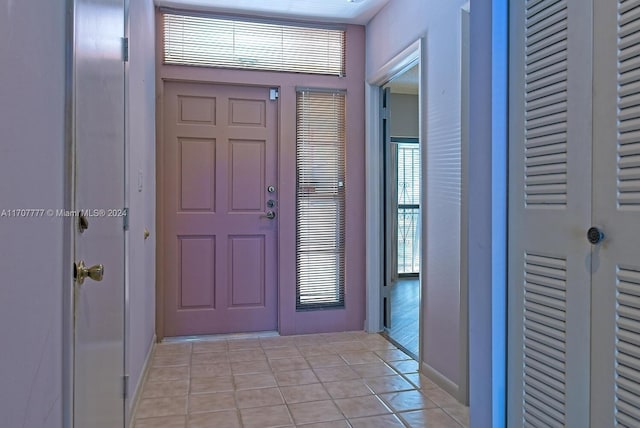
(340, 380)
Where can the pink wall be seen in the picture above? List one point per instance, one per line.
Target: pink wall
(141, 137)
(31, 176)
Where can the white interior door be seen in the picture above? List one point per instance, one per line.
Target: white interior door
(550, 211)
(615, 377)
(99, 188)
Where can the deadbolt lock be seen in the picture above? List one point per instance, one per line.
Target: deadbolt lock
(80, 272)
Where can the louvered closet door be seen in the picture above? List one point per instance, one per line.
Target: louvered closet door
(615, 381)
(550, 210)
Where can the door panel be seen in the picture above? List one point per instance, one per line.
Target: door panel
(549, 209)
(616, 210)
(99, 185)
(220, 147)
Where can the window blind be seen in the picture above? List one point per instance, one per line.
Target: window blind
(225, 42)
(320, 199)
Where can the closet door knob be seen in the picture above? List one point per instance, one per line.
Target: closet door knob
(595, 235)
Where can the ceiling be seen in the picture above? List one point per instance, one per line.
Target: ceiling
(406, 83)
(340, 11)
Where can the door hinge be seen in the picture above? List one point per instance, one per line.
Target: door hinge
(125, 386)
(274, 93)
(125, 218)
(384, 112)
(125, 49)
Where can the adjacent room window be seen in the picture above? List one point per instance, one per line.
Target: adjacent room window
(232, 43)
(320, 199)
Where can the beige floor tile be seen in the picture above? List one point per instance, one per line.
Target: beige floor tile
(171, 388)
(315, 411)
(384, 384)
(254, 380)
(210, 370)
(420, 381)
(247, 355)
(407, 366)
(200, 385)
(206, 347)
(333, 374)
(282, 352)
(266, 417)
(225, 418)
(297, 377)
(237, 344)
(315, 350)
(248, 367)
(212, 402)
(288, 364)
(162, 422)
(332, 424)
(351, 346)
(460, 413)
(357, 407)
(383, 421)
(168, 348)
(304, 393)
(165, 406)
(360, 357)
(258, 398)
(392, 355)
(430, 418)
(332, 360)
(210, 357)
(347, 389)
(440, 397)
(164, 360)
(161, 374)
(377, 344)
(276, 342)
(407, 400)
(308, 339)
(373, 370)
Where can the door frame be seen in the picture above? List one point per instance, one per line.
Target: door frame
(375, 170)
(290, 321)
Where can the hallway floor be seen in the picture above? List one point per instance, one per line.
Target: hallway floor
(405, 314)
(351, 379)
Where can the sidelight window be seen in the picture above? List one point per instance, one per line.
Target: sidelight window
(320, 199)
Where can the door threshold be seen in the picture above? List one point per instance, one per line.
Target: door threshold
(223, 336)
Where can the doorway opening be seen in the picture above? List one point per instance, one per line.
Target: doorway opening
(402, 193)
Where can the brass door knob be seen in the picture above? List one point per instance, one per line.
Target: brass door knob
(80, 272)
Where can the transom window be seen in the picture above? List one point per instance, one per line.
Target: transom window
(209, 41)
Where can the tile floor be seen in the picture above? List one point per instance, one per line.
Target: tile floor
(340, 380)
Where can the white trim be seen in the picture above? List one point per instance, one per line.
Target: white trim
(439, 379)
(134, 400)
(463, 382)
(374, 176)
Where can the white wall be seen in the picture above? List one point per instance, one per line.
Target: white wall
(142, 143)
(399, 24)
(31, 176)
(486, 246)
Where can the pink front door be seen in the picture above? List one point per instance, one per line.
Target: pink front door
(220, 252)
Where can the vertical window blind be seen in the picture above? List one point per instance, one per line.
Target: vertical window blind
(231, 43)
(320, 199)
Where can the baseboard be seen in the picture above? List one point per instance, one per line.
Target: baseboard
(143, 377)
(441, 380)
